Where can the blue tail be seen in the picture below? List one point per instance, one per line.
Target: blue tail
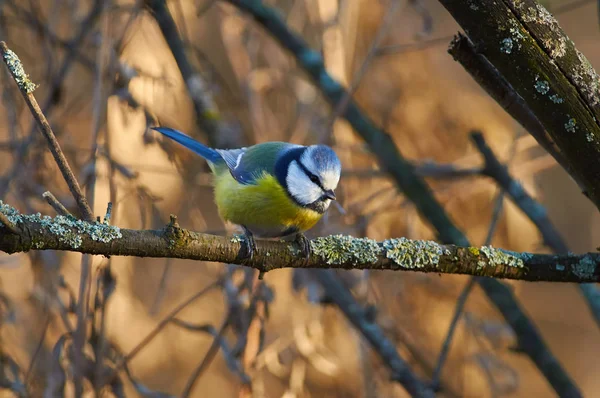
(207, 153)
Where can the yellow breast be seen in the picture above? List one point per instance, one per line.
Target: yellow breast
(264, 205)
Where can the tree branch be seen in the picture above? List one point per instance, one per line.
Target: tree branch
(26, 87)
(535, 212)
(525, 44)
(490, 79)
(67, 234)
(206, 110)
(401, 372)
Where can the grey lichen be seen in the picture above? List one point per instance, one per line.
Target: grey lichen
(506, 45)
(586, 79)
(413, 253)
(571, 125)
(542, 87)
(68, 229)
(501, 257)
(589, 137)
(556, 99)
(341, 249)
(560, 267)
(585, 268)
(16, 68)
(557, 48)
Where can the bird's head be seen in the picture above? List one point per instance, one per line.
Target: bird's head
(313, 176)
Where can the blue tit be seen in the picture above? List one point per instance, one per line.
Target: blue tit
(272, 189)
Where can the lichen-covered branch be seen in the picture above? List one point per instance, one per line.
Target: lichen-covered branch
(65, 233)
(535, 212)
(525, 44)
(490, 79)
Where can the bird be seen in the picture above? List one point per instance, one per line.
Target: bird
(272, 189)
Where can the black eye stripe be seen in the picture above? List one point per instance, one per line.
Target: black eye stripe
(311, 175)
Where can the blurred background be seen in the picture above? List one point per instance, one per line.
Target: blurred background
(106, 72)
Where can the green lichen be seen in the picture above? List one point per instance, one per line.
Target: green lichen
(560, 267)
(474, 251)
(497, 257)
(68, 229)
(16, 68)
(413, 254)
(38, 245)
(341, 249)
(585, 268)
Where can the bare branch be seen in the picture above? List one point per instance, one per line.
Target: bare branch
(56, 205)
(401, 372)
(206, 110)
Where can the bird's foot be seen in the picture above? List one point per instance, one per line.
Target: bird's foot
(249, 245)
(305, 248)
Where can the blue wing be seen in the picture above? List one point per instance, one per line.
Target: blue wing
(238, 167)
(248, 164)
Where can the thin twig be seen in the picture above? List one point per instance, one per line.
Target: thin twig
(26, 88)
(232, 362)
(535, 212)
(386, 350)
(56, 205)
(462, 299)
(208, 358)
(206, 110)
(38, 348)
(386, 25)
(161, 325)
(458, 311)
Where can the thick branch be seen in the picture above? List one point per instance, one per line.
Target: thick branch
(68, 234)
(525, 44)
(488, 77)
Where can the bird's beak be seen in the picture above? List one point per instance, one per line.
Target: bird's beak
(329, 194)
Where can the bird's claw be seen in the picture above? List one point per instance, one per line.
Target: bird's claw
(304, 244)
(249, 245)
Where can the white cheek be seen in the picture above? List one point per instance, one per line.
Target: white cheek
(330, 179)
(300, 186)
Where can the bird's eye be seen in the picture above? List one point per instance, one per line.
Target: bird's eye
(314, 179)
